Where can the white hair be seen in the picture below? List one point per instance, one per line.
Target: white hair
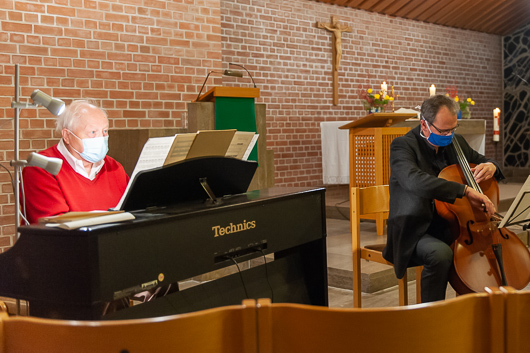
(70, 118)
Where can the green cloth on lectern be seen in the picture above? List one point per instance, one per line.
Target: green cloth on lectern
(236, 113)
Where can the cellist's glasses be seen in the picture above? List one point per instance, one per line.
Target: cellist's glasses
(445, 132)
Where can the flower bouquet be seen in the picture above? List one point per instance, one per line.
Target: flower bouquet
(464, 104)
(375, 102)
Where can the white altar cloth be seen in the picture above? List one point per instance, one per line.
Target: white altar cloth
(335, 154)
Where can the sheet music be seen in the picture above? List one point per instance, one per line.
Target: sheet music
(250, 146)
(211, 143)
(180, 148)
(152, 156)
(239, 144)
(519, 211)
(159, 151)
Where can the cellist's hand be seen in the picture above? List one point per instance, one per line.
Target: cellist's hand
(480, 202)
(484, 171)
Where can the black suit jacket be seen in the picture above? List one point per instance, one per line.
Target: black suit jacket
(414, 185)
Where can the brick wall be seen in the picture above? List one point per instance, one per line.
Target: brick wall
(291, 62)
(141, 60)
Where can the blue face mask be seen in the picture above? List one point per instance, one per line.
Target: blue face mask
(439, 140)
(94, 148)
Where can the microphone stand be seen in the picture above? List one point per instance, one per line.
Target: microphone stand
(206, 79)
(232, 73)
(244, 68)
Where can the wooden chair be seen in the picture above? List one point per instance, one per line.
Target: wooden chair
(469, 323)
(371, 200)
(517, 320)
(225, 329)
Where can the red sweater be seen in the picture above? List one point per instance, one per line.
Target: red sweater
(48, 195)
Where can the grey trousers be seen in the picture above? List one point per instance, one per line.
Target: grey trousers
(436, 257)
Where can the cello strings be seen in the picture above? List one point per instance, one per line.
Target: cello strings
(466, 169)
(463, 164)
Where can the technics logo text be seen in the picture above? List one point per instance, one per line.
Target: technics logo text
(233, 228)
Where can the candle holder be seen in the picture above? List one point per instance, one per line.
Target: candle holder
(393, 96)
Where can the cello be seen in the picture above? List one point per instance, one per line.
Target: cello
(484, 255)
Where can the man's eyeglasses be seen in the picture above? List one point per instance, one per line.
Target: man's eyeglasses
(445, 132)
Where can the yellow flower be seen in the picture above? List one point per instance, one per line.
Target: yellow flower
(469, 100)
(391, 98)
(387, 97)
(377, 96)
(472, 102)
(456, 98)
(369, 90)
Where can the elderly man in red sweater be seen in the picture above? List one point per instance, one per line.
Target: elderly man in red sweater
(88, 180)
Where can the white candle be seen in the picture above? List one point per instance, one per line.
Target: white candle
(432, 90)
(496, 124)
(384, 87)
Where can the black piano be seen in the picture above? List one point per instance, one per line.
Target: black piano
(71, 274)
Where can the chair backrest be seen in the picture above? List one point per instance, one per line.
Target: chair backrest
(517, 320)
(368, 200)
(469, 323)
(373, 199)
(225, 329)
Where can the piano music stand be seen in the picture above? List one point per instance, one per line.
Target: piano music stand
(519, 211)
(184, 181)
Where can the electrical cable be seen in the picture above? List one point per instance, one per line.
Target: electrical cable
(23, 195)
(11, 176)
(13, 187)
(267, 275)
(241, 276)
(337, 206)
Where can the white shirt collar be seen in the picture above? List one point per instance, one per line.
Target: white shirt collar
(77, 164)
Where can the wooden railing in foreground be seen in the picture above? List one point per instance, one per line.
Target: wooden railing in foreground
(224, 329)
(495, 321)
(464, 324)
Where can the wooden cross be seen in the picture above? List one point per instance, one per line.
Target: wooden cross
(336, 29)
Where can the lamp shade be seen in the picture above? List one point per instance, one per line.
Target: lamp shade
(50, 164)
(54, 105)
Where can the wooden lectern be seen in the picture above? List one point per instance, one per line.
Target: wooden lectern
(369, 146)
(234, 108)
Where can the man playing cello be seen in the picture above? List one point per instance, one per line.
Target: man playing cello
(416, 234)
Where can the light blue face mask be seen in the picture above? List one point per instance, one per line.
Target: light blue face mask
(94, 148)
(439, 140)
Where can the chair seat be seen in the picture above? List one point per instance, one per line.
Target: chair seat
(375, 247)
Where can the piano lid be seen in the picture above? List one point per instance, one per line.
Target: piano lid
(181, 182)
